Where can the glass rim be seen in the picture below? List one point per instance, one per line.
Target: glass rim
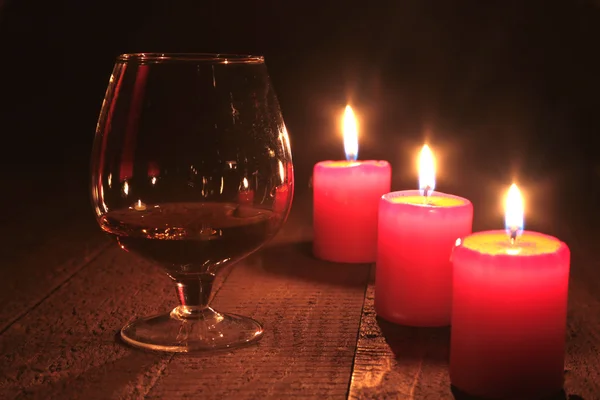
(211, 58)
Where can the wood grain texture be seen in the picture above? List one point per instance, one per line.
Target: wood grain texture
(395, 362)
(311, 312)
(64, 342)
(67, 346)
(582, 366)
(42, 247)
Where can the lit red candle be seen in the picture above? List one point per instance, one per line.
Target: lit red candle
(345, 199)
(509, 310)
(417, 230)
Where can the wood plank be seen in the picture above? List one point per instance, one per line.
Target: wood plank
(402, 362)
(582, 372)
(42, 247)
(311, 311)
(66, 347)
(396, 362)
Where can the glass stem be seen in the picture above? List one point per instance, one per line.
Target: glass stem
(194, 294)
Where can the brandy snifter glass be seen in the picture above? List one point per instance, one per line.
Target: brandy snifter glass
(192, 170)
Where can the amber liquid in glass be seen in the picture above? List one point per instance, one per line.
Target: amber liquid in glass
(189, 238)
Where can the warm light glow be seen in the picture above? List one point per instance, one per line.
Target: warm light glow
(126, 188)
(495, 243)
(284, 138)
(139, 206)
(426, 171)
(153, 180)
(514, 210)
(281, 171)
(350, 135)
(245, 183)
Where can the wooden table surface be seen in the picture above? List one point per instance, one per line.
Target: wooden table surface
(66, 292)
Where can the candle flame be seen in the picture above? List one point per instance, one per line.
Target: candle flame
(426, 171)
(514, 210)
(350, 135)
(245, 183)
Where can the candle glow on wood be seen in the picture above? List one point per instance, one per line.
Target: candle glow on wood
(350, 135)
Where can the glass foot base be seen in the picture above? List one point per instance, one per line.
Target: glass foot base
(184, 330)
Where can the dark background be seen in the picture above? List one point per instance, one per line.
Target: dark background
(502, 91)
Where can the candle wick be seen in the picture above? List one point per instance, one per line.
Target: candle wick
(426, 193)
(513, 235)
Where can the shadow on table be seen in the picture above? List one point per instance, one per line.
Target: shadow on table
(295, 260)
(409, 343)
(459, 395)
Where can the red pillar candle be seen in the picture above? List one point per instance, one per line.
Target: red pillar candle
(509, 311)
(345, 199)
(417, 230)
